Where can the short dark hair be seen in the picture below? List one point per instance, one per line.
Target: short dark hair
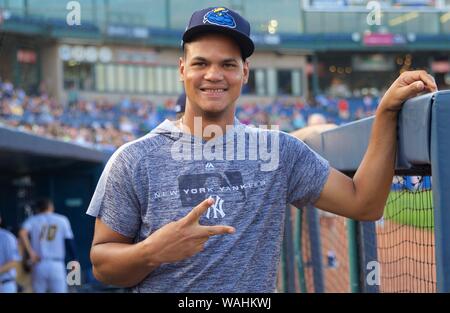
(42, 204)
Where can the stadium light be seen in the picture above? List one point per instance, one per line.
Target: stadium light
(272, 26)
(403, 18)
(445, 17)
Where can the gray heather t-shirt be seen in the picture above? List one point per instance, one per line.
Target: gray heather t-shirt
(145, 185)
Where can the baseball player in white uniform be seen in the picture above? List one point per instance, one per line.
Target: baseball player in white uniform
(9, 258)
(44, 236)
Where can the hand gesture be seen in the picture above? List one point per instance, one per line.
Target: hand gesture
(184, 238)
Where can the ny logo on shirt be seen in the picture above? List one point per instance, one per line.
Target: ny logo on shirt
(217, 207)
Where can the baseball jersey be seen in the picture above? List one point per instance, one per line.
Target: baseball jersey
(9, 251)
(146, 184)
(48, 232)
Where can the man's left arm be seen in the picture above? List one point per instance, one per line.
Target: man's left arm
(364, 196)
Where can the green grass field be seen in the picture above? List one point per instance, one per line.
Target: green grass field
(410, 208)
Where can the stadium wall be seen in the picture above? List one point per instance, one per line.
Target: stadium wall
(165, 57)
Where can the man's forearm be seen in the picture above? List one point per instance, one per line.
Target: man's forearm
(6, 267)
(120, 264)
(373, 178)
(23, 234)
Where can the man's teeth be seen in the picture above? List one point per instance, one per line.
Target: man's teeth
(214, 90)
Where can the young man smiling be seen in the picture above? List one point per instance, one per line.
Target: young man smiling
(153, 231)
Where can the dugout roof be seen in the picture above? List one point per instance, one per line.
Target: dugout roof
(22, 152)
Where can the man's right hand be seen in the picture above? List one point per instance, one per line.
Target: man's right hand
(184, 238)
(34, 257)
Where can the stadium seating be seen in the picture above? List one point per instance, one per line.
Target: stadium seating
(108, 125)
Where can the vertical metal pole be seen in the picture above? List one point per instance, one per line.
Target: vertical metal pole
(26, 7)
(315, 75)
(299, 250)
(94, 13)
(283, 266)
(17, 69)
(316, 248)
(107, 14)
(353, 255)
(302, 17)
(168, 22)
(368, 254)
(289, 270)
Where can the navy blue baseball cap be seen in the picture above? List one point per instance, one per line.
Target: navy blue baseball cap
(221, 20)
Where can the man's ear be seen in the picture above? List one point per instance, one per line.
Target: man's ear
(246, 71)
(181, 68)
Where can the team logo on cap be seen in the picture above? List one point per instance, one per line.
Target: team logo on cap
(220, 17)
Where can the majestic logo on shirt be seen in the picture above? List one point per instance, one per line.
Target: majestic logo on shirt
(209, 166)
(237, 143)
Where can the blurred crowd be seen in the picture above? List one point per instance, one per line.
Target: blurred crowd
(98, 123)
(107, 125)
(290, 116)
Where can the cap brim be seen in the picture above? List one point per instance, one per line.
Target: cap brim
(246, 44)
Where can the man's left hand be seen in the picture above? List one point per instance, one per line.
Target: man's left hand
(407, 85)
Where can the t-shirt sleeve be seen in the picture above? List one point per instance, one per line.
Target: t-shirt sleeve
(114, 200)
(27, 225)
(307, 173)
